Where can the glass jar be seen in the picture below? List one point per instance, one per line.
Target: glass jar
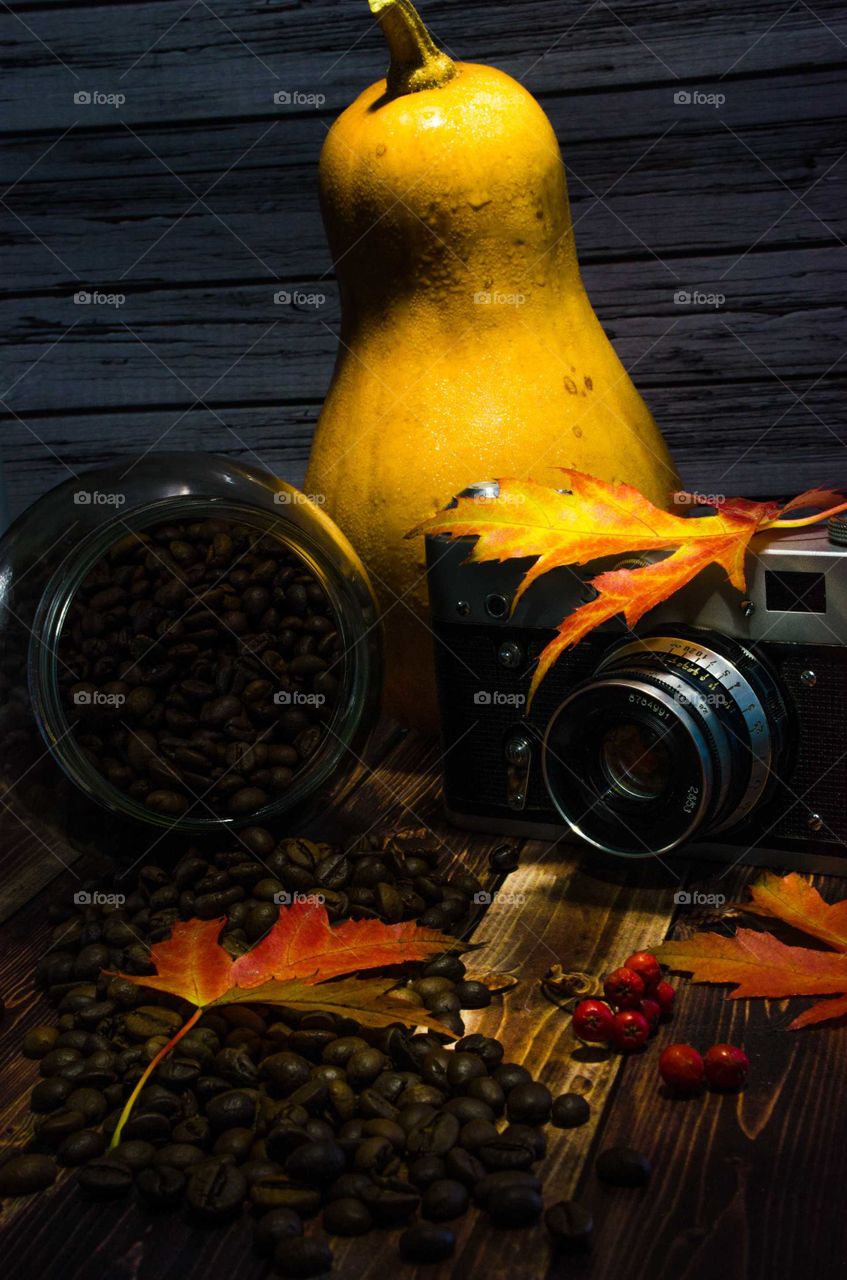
(53, 782)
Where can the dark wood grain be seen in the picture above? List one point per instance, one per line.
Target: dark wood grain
(752, 438)
(242, 52)
(647, 176)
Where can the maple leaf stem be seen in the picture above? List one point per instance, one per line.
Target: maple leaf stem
(806, 520)
(148, 1071)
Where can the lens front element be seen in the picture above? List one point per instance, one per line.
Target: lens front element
(673, 736)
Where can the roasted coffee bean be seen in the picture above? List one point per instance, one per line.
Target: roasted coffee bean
(570, 1225)
(569, 1111)
(56, 1126)
(488, 1092)
(464, 1067)
(279, 1224)
(135, 1154)
(464, 1167)
(472, 995)
(316, 1163)
(495, 1182)
(280, 1193)
(434, 1138)
(39, 1041)
(514, 1206)
(446, 966)
(444, 1199)
(80, 1147)
(302, 1256)
(161, 1186)
(391, 1201)
(466, 1109)
(504, 859)
(350, 1186)
(529, 1103)
(426, 1242)
(532, 1136)
(623, 1167)
(50, 1095)
(215, 1190)
(234, 1108)
(56, 1061)
(506, 1154)
(510, 1074)
(347, 1217)
(178, 1155)
(105, 1179)
(476, 1133)
(91, 1102)
(23, 1174)
(428, 1169)
(150, 1126)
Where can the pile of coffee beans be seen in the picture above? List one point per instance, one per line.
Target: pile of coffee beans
(199, 664)
(318, 1126)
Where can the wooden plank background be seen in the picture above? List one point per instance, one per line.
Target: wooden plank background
(196, 199)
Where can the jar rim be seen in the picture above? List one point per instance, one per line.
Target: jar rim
(340, 733)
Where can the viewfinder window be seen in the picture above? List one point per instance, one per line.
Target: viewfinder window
(795, 592)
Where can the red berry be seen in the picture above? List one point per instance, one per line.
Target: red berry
(630, 1030)
(592, 1021)
(645, 964)
(652, 1011)
(681, 1068)
(624, 988)
(664, 995)
(726, 1066)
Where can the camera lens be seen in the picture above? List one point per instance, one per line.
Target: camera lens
(674, 736)
(635, 760)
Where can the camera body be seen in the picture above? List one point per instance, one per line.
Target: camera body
(715, 728)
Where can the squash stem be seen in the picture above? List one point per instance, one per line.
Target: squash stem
(416, 61)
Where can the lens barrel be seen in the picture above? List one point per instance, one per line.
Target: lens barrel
(676, 735)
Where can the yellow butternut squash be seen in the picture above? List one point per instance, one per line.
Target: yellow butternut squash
(469, 348)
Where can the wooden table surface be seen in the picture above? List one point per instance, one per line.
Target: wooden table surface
(743, 1186)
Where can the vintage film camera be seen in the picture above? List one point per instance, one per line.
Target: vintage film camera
(715, 728)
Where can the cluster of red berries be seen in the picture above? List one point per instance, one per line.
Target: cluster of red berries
(684, 1070)
(637, 999)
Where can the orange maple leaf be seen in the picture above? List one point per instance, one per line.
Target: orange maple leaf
(587, 519)
(297, 965)
(796, 902)
(758, 964)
